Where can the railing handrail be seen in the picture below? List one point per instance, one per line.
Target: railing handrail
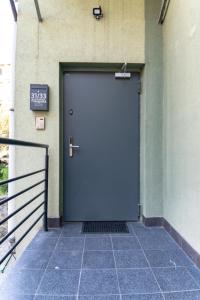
(7, 141)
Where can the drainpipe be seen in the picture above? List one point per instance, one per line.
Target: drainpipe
(11, 171)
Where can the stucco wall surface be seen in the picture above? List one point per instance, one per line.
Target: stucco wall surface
(69, 33)
(181, 159)
(151, 114)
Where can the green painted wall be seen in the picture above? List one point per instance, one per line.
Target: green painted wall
(181, 163)
(151, 114)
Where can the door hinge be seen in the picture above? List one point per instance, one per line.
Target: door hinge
(139, 210)
(139, 86)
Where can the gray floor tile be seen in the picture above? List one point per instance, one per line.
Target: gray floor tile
(43, 242)
(65, 260)
(123, 234)
(97, 235)
(59, 283)
(141, 229)
(167, 258)
(106, 297)
(125, 243)
(98, 260)
(133, 281)
(69, 234)
(174, 279)
(130, 228)
(70, 243)
(34, 259)
(137, 225)
(39, 297)
(183, 296)
(73, 226)
(143, 297)
(156, 238)
(98, 243)
(55, 233)
(157, 242)
(72, 229)
(7, 296)
(98, 282)
(195, 272)
(153, 231)
(22, 281)
(130, 259)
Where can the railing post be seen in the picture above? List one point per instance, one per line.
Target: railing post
(46, 190)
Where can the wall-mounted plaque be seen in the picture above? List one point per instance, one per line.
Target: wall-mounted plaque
(39, 97)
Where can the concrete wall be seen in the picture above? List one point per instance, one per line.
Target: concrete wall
(69, 33)
(151, 114)
(181, 62)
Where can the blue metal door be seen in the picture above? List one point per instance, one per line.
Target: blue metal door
(101, 147)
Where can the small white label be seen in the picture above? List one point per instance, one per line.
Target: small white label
(123, 75)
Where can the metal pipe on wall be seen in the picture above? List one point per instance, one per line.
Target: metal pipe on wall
(163, 11)
(11, 172)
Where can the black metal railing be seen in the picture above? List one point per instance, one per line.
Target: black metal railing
(44, 203)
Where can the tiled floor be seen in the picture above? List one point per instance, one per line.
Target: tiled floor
(145, 264)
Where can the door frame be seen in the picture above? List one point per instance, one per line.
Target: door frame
(97, 68)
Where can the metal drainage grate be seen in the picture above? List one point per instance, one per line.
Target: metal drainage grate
(105, 227)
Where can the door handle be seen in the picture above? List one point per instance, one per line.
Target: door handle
(71, 147)
(74, 146)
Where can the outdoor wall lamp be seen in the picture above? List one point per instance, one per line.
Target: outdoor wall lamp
(97, 13)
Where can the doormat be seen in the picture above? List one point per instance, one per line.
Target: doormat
(105, 227)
